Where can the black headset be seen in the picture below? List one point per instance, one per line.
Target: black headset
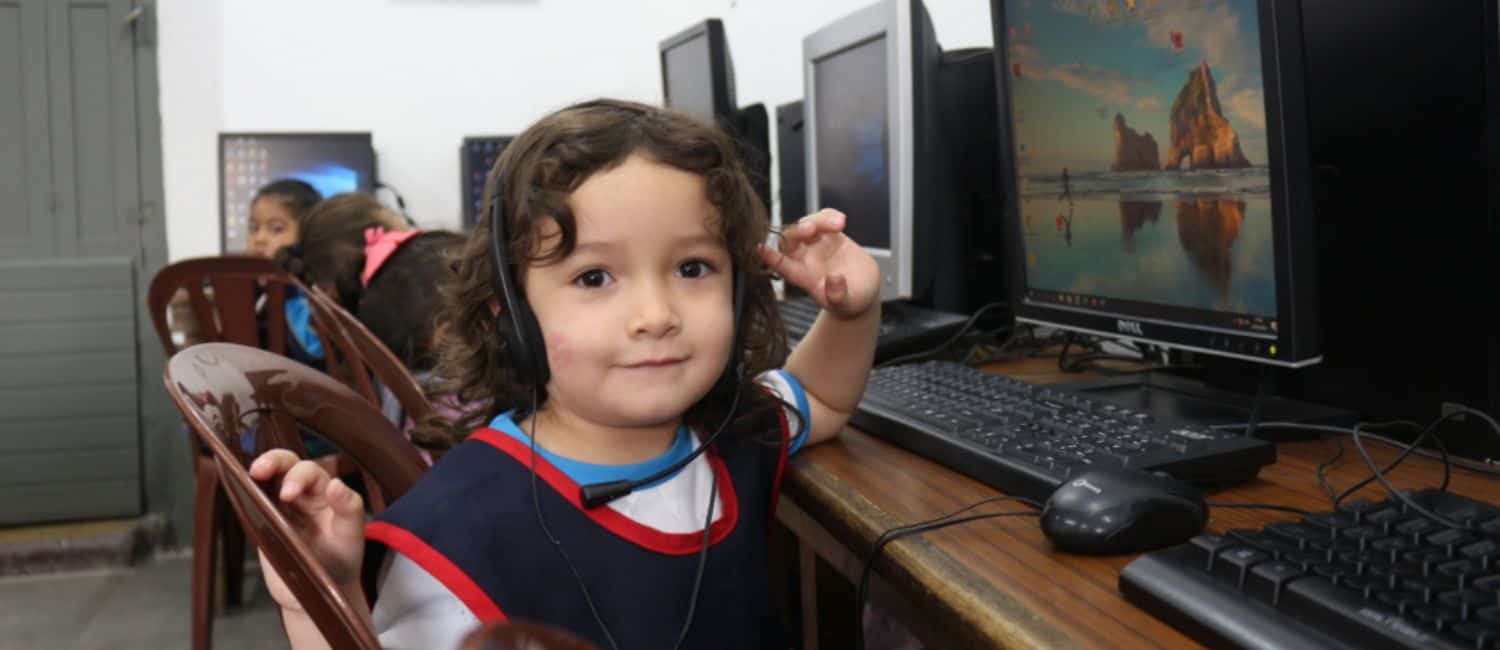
(526, 349)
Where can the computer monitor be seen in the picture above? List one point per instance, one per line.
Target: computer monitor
(869, 148)
(333, 163)
(697, 74)
(476, 157)
(1155, 157)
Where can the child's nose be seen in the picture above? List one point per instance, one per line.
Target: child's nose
(655, 313)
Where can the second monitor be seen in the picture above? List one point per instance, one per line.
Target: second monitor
(891, 122)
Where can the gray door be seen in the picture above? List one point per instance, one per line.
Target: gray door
(71, 243)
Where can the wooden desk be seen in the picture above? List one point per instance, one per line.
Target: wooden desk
(999, 582)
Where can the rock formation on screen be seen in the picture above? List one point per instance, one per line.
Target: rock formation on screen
(1201, 137)
(1133, 151)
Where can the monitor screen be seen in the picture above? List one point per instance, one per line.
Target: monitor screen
(331, 163)
(476, 157)
(853, 155)
(689, 77)
(1142, 161)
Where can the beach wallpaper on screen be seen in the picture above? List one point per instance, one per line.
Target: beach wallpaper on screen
(1140, 138)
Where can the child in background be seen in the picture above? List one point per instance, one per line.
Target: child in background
(330, 235)
(390, 284)
(276, 215)
(626, 228)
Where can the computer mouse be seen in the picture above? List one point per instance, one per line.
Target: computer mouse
(1116, 510)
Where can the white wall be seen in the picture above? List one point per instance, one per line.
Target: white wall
(422, 74)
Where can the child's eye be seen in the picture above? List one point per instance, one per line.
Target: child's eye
(694, 269)
(592, 279)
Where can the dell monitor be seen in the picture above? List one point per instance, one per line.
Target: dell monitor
(333, 163)
(1154, 159)
(869, 148)
(475, 158)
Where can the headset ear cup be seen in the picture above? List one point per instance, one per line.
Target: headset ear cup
(523, 339)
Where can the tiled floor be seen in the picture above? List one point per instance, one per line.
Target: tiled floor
(144, 606)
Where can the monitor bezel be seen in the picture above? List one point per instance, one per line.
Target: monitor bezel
(1297, 340)
(359, 137)
(721, 70)
(891, 19)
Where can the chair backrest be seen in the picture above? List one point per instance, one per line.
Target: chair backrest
(223, 292)
(228, 392)
(360, 354)
(220, 386)
(270, 532)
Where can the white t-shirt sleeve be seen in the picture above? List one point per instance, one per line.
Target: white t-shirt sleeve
(414, 610)
(789, 390)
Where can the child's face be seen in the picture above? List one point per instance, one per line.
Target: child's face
(272, 227)
(638, 318)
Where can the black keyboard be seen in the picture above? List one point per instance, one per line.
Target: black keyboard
(1375, 575)
(1026, 439)
(904, 328)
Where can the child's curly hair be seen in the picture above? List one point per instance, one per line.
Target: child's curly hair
(538, 171)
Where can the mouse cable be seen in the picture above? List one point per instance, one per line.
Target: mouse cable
(924, 354)
(1257, 506)
(935, 523)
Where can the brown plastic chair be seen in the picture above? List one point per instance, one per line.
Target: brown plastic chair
(222, 293)
(522, 635)
(228, 392)
(358, 355)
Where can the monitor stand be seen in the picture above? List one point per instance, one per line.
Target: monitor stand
(1172, 399)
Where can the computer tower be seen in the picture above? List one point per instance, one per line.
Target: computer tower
(791, 162)
(1402, 109)
(966, 96)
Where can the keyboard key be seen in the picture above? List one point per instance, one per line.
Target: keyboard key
(1482, 634)
(1235, 562)
(1203, 549)
(1318, 601)
(1267, 579)
(1488, 583)
(1417, 528)
(1297, 534)
(1467, 600)
(1436, 618)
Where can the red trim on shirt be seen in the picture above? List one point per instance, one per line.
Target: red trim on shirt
(611, 519)
(438, 566)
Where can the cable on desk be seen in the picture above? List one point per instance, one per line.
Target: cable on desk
(935, 523)
(1257, 506)
(1323, 468)
(968, 324)
(1488, 469)
(1375, 473)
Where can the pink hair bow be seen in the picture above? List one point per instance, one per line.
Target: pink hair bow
(379, 246)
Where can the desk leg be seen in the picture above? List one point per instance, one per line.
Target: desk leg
(808, 571)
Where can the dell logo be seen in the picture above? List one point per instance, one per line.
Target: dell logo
(1129, 327)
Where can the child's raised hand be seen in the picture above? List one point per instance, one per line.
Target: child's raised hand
(817, 256)
(324, 512)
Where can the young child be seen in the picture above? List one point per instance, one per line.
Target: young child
(276, 214)
(625, 230)
(327, 254)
